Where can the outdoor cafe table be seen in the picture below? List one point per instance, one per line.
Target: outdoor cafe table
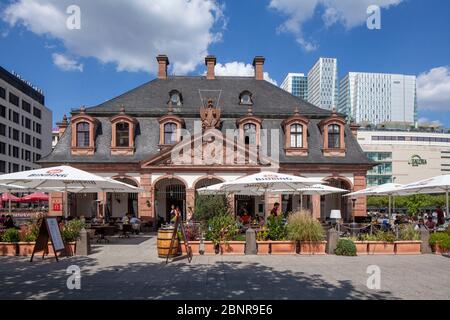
(101, 230)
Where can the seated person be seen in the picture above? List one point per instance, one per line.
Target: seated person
(136, 224)
(430, 224)
(245, 218)
(126, 219)
(9, 222)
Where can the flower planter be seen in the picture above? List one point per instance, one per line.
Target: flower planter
(233, 247)
(437, 249)
(8, 249)
(407, 247)
(210, 248)
(310, 247)
(361, 247)
(263, 247)
(195, 246)
(283, 247)
(25, 248)
(381, 247)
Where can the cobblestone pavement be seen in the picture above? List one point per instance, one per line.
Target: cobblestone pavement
(130, 269)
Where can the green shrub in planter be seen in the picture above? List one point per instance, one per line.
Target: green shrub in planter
(302, 226)
(345, 247)
(277, 228)
(221, 229)
(408, 233)
(441, 238)
(71, 231)
(385, 236)
(30, 234)
(11, 235)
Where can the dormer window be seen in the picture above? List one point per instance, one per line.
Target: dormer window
(170, 133)
(334, 136)
(296, 135)
(245, 98)
(83, 134)
(83, 128)
(123, 129)
(175, 98)
(123, 134)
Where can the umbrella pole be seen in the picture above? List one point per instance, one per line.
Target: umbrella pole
(301, 201)
(446, 201)
(9, 202)
(66, 199)
(389, 208)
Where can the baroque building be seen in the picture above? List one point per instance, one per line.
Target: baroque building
(176, 134)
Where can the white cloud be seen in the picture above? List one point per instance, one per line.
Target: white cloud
(66, 64)
(433, 89)
(349, 13)
(239, 69)
(129, 34)
(425, 122)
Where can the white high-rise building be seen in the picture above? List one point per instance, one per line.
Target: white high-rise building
(323, 90)
(378, 98)
(296, 84)
(25, 124)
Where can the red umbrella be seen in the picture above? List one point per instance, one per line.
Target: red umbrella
(8, 196)
(35, 197)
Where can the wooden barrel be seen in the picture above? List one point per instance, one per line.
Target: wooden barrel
(164, 239)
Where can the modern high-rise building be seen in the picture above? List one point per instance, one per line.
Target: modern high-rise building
(377, 98)
(25, 124)
(296, 84)
(323, 84)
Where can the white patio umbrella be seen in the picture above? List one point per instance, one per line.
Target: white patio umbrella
(320, 189)
(387, 189)
(216, 189)
(439, 184)
(8, 189)
(263, 182)
(62, 178)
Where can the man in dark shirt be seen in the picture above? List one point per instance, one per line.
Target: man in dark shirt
(440, 215)
(274, 211)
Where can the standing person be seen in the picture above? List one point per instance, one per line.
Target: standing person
(440, 215)
(172, 213)
(274, 212)
(9, 222)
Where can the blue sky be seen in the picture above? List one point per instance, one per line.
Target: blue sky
(117, 57)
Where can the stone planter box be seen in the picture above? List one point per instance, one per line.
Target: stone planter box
(8, 249)
(233, 248)
(263, 247)
(195, 247)
(361, 247)
(381, 247)
(283, 247)
(70, 249)
(25, 249)
(312, 248)
(407, 247)
(210, 248)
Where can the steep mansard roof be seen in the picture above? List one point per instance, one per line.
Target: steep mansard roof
(150, 101)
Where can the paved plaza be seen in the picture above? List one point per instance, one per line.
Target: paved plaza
(130, 269)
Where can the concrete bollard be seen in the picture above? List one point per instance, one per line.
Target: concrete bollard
(425, 237)
(83, 247)
(250, 241)
(332, 240)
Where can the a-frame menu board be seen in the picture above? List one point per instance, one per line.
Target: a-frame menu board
(49, 231)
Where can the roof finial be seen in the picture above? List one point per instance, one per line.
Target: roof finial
(250, 110)
(64, 120)
(170, 111)
(296, 111)
(83, 109)
(122, 109)
(334, 112)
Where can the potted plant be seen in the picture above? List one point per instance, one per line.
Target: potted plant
(303, 227)
(382, 243)
(262, 240)
(278, 236)
(345, 247)
(70, 234)
(221, 231)
(409, 242)
(8, 246)
(361, 245)
(193, 234)
(28, 236)
(440, 242)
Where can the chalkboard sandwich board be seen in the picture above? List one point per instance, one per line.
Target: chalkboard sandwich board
(49, 231)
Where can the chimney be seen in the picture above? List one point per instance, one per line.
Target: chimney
(62, 126)
(354, 128)
(210, 62)
(163, 63)
(258, 63)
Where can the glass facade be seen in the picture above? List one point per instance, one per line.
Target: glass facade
(382, 173)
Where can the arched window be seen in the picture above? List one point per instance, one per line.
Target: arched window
(123, 134)
(176, 98)
(296, 135)
(246, 98)
(170, 136)
(83, 134)
(334, 136)
(250, 133)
